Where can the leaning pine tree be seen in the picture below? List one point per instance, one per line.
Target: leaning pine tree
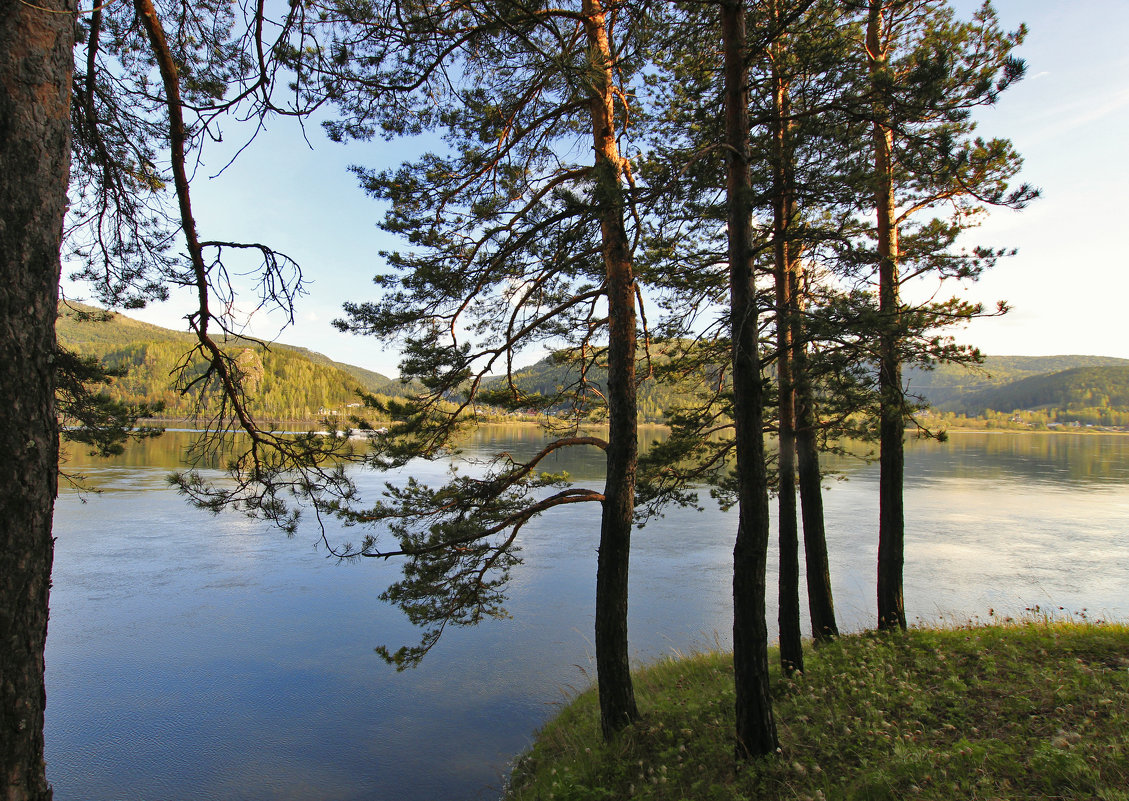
(519, 238)
(95, 148)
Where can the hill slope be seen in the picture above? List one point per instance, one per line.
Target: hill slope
(284, 381)
(1078, 388)
(949, 385)
(295, 383)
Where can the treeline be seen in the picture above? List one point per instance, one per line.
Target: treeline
(1049, 419)
(293, 383)
(285, 382)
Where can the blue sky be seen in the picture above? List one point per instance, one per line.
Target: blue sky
(1068, 285)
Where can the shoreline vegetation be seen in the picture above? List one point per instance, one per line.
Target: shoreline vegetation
(966, 426)
(1036, 708)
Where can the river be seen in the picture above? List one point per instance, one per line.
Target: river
(202, 657)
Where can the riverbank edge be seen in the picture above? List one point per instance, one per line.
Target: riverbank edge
(1032, 709)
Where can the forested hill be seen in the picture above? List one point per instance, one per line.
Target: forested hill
(285, 382)
(951, 386)
(1079, 388)
(547, 376)
(294, 383)
(1001, 384)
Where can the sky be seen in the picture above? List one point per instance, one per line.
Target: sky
(1068, 285)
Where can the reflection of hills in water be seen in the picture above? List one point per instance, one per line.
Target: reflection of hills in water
(166, 451)
(1052, 458)
(1058, 459)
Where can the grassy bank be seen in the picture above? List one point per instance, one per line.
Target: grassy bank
(1033, 710)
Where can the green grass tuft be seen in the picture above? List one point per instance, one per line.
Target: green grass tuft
(1037, 709)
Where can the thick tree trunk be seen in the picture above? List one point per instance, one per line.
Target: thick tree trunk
(891, 521)
(784, 260)
(613, 668)
(35, 91)
(756, 726)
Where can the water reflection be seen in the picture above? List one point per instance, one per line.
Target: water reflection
(1061, 460)
(194, 656)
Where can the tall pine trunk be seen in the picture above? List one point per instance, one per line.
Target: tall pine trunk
(35, 89)
(613, 668)
(891, 520)
(821, 604)
(756, 726)
(783, 213)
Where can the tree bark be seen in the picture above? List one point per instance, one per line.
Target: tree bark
(613, 669)
(821, 604)
(35, 124)
(756, 726)
(784, 262)
(891, 520)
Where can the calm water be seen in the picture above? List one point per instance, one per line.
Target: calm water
(200, 657)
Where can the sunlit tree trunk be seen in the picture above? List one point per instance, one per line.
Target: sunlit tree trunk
(35, 89)
(756, 726)
(891, 522)
(617, 696)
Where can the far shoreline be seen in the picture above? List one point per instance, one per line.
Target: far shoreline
(281, 426)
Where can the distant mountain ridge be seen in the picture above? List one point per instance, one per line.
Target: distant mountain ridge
(293, 382)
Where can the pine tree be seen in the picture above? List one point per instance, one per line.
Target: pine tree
(516, 241)
(927, 71)
(756, 727)
(35, 77)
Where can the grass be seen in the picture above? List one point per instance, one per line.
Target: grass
(1037, 709)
